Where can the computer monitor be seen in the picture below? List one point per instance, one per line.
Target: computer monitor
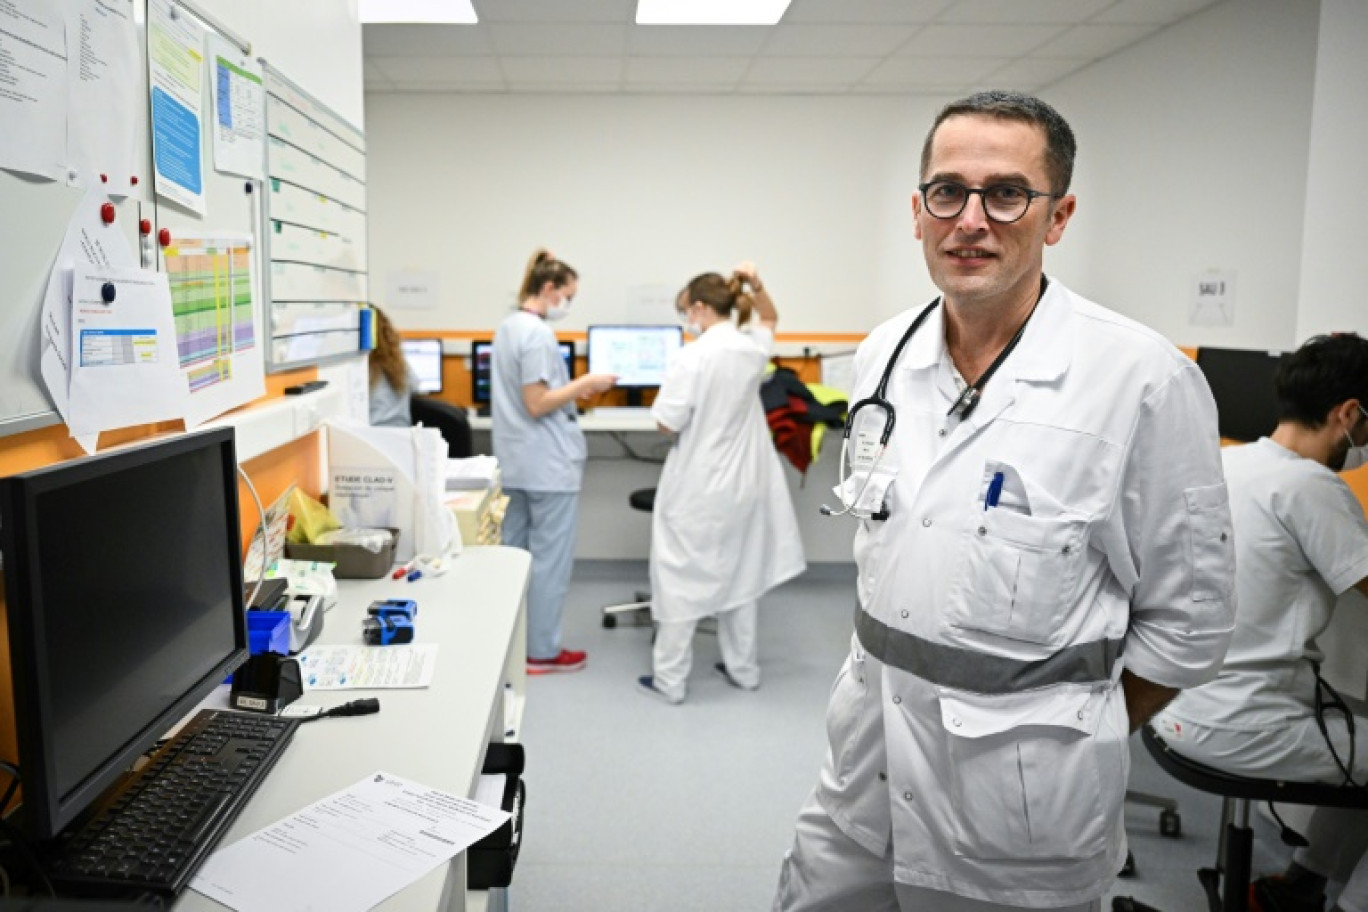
(425, 357)
(637, 355)
(124, 595)
(482, 367)
(1242, 383)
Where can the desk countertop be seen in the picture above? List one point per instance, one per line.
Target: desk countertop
(596, 420)
(435, 736)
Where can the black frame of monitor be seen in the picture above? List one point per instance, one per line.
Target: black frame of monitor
(44, 813)
(567, 349)
(1242, 383)
(441, 376)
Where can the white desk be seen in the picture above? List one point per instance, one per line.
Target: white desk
(435, 736)
(600, 419)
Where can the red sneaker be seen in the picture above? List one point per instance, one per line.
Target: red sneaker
(567, 661)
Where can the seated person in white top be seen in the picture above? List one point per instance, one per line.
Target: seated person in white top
(391, 378)
(1301, 541)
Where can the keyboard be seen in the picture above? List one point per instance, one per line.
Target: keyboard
(155, 830)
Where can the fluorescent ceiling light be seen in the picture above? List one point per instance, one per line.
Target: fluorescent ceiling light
(710, 12)
(448, 11)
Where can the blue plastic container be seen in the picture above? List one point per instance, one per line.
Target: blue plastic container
(268, 631)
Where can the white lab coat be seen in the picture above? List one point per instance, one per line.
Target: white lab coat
(723, 530)
(1112, 533)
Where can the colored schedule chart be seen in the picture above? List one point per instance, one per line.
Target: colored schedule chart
(211, 298)
(114, 347)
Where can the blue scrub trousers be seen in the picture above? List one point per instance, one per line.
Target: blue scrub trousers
(543, 523)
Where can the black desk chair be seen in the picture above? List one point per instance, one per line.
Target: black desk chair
(637, 613)
(1237, 840)
(450, 420)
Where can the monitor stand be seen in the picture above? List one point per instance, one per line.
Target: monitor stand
(634, 397)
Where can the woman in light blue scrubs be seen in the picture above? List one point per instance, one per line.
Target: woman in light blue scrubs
(541, 450)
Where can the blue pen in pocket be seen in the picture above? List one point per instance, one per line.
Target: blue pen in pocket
(994, 491)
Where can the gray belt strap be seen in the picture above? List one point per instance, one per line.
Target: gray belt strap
(968, 669)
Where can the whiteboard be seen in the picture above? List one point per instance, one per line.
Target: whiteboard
(313, 228)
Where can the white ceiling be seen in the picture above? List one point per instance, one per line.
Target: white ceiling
(820, 47)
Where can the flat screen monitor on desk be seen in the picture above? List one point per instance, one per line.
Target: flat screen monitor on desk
(124, 594)
(482, 369)
(1242, 384)
(637, 355)
(425, 357)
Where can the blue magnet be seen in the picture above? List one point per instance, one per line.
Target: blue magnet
(107, 292)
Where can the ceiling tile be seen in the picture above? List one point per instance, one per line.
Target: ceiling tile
(674, 70)
(577, 70)
(447, 88)
(595, 40)
(696, 40)
(1031, 73)
(979, 40)
(934, 72)
(1002, 12)
(1152, 12)
(797, 88)
(837, 40)
(620, 11)
(864, 11)
(1093, 41)
(809, 71)
(562, 88)
(461, 70)
(429, 40)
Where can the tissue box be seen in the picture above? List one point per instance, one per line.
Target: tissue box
(353, 561)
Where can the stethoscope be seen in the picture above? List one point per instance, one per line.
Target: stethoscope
(962, 408)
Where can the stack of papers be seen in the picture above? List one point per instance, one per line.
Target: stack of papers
(479, 514)
(473, 474)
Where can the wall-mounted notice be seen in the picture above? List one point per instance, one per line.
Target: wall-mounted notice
(239, 109)
(33, 87)
(412, 289)
(1213, 299)
(102, 65)
(218, 330)
(175, 60)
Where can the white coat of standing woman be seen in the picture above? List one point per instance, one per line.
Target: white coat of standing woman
(723, 529)
(541, 451)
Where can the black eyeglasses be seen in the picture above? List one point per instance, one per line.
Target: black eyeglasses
(1002, 203)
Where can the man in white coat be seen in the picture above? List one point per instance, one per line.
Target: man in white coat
(1044, 556)
(723, 530)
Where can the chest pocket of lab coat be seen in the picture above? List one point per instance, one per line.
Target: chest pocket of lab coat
(1035, 775)
(1017, 575)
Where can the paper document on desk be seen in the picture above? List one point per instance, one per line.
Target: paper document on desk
(368, 667)
(349, 851)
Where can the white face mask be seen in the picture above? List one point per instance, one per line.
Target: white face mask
(558, 312)
(691, 327)
(1357, 455)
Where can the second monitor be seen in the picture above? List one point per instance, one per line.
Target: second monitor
(636, 355)
(482, 369)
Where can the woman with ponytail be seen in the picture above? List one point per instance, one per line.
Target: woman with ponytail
(723, 529)
(541, 451)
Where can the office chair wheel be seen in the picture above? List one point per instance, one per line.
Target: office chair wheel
(609, 621)
(1128, 869)
(1170, 824)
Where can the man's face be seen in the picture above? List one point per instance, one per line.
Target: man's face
(972, 259)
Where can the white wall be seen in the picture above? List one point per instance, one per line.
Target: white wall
(644, 191)
(1193, 150)
(1333, 296)
(316, 44)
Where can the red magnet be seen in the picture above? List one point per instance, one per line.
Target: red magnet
(133, 180)
(104, 178)
(107, 213)
(145, 227)
(164, 237)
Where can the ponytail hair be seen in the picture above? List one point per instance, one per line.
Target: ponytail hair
(543, 268)
(722, 295)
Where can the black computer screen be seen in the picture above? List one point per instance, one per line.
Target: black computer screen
(482, 367)
(424, 356)
(125, 605)
(1241, 382)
